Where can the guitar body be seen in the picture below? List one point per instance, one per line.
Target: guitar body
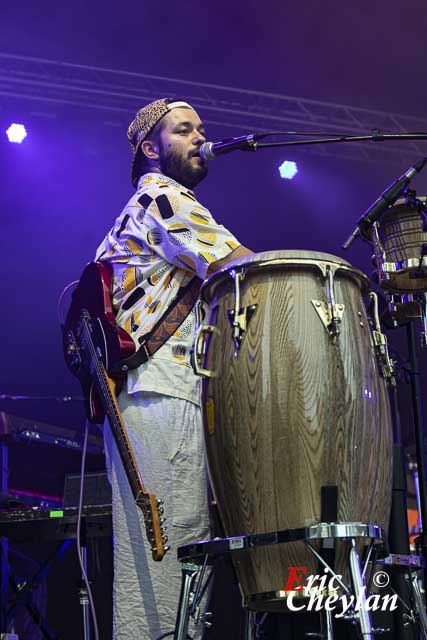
(93, 294)
(94, 345)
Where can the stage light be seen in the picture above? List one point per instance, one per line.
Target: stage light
(16, 133)
(288, 169)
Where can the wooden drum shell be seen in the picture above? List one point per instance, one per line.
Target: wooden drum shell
(293, 411)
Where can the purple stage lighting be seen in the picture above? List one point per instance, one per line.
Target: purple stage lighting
(16, 133)
(288, 169)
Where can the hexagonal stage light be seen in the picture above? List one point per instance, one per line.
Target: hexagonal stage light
(16, 133)
(288, 170)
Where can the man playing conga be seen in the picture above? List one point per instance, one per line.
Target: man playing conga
(162, 240)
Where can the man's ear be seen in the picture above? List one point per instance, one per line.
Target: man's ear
(150, 149)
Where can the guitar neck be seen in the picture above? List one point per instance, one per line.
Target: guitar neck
(107, 389)
(147, 502)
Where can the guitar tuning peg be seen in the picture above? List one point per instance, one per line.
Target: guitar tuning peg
(166, 549)
(162, 520)
(161, 511)
(163, 529)
(165, 538)
(160, 503)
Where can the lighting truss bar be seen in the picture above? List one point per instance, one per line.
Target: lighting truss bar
(121, 93)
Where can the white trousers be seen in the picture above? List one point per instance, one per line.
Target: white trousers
(167, 439)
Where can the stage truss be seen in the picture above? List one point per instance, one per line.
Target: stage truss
(119, 94)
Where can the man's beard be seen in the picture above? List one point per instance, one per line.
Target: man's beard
(181, 169)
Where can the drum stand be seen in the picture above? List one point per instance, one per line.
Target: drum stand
(195, 558)
(404, 309)
(406, 567)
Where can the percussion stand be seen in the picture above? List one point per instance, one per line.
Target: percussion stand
(417, 407)
(193, 589)
(194, 558)
(399, 532)
(406, 312)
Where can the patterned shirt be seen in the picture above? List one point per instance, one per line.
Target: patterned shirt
(162, 238)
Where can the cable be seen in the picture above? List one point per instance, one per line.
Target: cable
(79, 517)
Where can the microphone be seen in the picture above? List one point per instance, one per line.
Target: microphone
(210, 150)
(386, 199)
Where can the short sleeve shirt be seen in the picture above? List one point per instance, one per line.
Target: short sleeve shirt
(160, 241)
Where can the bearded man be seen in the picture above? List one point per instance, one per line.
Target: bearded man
(163, 242)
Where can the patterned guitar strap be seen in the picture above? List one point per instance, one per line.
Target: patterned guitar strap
(165, 327)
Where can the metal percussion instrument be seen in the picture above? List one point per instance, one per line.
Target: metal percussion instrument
(399, 241)
(297, 418)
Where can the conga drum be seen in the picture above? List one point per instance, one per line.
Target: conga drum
(293, 402)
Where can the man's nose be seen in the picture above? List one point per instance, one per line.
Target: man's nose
(198, 138)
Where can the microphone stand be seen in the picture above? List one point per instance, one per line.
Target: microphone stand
(210, 150)
(377, 136)
(417, 408)
(399, 530)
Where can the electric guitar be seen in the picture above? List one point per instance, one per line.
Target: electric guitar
(94, 345)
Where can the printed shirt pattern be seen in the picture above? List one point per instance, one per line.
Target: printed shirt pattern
(162, 238)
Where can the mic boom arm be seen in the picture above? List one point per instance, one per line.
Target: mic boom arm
(386, 199)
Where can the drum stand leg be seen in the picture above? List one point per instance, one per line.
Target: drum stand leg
(359, 588)
(329, 625)
(360, 593)
(193, 588)
(418, 605)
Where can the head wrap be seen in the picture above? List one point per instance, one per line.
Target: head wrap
(145, 120)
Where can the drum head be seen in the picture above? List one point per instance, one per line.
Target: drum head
(283, 258)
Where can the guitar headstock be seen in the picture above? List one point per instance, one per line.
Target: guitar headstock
(152, 510)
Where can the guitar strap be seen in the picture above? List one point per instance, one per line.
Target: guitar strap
(165, 327)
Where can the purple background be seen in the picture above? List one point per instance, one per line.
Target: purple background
(62, 189)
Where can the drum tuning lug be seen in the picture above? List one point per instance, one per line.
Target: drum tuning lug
(330, 315)
(239, 322)
(380, 341)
